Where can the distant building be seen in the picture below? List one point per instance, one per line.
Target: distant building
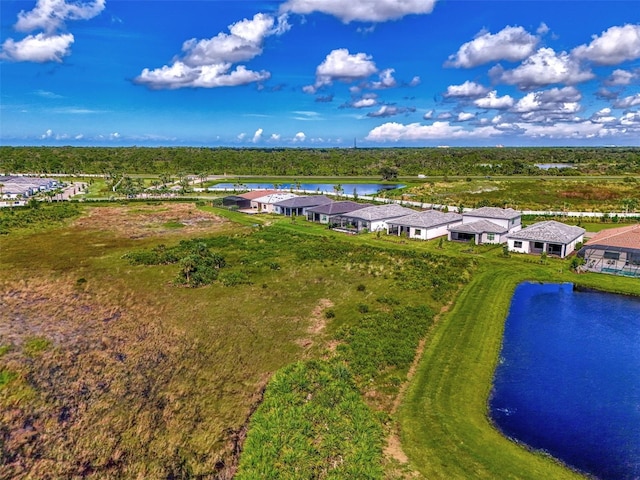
(14, 187)
(15, 190)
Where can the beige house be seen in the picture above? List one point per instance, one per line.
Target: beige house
(615, 251)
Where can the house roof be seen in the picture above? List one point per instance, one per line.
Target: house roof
(495, 213)
(549, 231)
(305, 201)
(257, 194)
(427, 219)
(379, 212)
(235, 198)
(624, 237)
(274, 197)
(481, 226)
(336, 208)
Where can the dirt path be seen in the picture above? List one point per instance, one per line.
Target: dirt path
(393, 448)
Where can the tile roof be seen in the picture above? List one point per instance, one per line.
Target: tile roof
(427, 219)
(274, 197)
(304, 201)
(549, 231)
(625, 237)
(336, 208)
(257, 194)
(380, 212)
(481, 226)
(494, 212)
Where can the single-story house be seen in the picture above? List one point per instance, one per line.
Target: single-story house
(487, 225)
(615, 250)
(424, 225)
(372, 219)
(480, 231)
(505, 217)
(323, 213)
(299, 205)
(551, 237)
(266, 204)
(236, 201)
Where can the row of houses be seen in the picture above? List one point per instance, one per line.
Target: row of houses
(486, 225)
(15, 187)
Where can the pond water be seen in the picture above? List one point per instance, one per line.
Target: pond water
(347, 188)
(568, 379)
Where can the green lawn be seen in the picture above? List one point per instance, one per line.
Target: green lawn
(443, 420)
(158, 380)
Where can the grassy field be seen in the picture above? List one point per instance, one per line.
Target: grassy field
(110, 369)
(443, 421)
(526, 193)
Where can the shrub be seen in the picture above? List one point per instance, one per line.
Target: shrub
(329, 313)
(361, 287)
(363, 308)
(231, 279)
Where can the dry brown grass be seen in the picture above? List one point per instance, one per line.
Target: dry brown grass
(139, 220)
(122, 386)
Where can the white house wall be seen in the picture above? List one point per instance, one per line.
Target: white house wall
(572, 246)
(525, 248)
(497, 238)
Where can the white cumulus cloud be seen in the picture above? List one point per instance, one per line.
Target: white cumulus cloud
(545, 67)
(344, 66)
(466, 116)
(299, 137)
(557, 100)
(208, 63)
(394, 132)
(614, 46)
(628, 102)
(50, 15)
(492, 101)
(257, 136)
(386, 80)
(511, 43)
(466, 90)
(38, 48)
(621, 77)
(360, 10)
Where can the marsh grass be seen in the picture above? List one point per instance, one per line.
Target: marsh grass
(140, 377)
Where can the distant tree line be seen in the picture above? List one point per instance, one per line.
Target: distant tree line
(384, 162)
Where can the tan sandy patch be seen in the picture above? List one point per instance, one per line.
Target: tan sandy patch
(137, 221)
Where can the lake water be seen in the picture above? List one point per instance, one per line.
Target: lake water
(568, 379)
(347, 188)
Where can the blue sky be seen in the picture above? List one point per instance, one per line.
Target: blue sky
(319, 73)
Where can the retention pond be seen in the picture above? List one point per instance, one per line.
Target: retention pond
(568, 379)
